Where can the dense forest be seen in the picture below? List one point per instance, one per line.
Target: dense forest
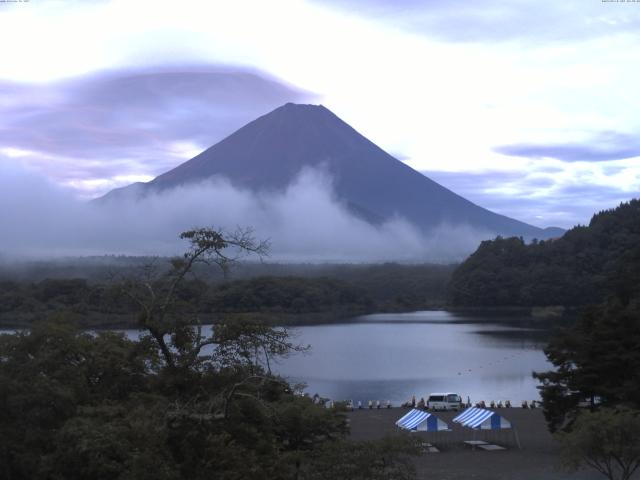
(582, 267)
(316, 294)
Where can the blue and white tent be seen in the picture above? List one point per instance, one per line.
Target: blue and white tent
(420, 421)
(482, 419)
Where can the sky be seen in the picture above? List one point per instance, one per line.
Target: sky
(528, 108)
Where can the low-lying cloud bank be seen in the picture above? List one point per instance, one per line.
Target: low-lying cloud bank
(305, 223)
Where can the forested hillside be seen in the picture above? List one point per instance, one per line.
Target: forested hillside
(582, 267)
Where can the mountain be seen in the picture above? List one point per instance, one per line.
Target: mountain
(269, 152)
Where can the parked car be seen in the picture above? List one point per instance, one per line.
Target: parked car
(444, 401)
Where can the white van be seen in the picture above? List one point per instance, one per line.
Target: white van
(444, 401)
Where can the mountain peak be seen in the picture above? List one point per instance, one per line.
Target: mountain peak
(300, 106)
(302, 112)
(271, 151)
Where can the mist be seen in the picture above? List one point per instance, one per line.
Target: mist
(304, 223)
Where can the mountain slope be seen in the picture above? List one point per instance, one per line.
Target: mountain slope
(269, 152)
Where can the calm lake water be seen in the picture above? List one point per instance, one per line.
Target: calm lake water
(394, 356)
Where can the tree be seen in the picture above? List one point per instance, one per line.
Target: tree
(598, 358)
(607, 440)
(113, 441)
(157, 296)
(240, 351)
(48, 376)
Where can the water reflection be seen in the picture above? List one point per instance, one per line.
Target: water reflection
(394, 356)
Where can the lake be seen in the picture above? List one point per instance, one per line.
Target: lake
(394, 356)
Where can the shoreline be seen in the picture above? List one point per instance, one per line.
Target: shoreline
(99, 321)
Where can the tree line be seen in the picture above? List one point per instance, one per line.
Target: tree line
(287, 298)
(106, 304)
(582, 267)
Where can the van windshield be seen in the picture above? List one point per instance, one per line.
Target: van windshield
(453, 398)
(436, 398)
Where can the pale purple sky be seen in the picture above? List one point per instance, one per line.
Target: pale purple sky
(528, 108)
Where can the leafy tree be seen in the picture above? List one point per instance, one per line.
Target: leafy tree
(607, 440)
(126, 441)
(47, 375)
(157, 295)
(598, 358)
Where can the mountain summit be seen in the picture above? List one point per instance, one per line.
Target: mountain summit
(269, 152)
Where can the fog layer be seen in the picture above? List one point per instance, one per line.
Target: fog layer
(306, 222)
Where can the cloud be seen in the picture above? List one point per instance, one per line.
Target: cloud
(126, 123)
(545, 195)
(303, 223)
(499, 21)
(470, 76)
(605, 146)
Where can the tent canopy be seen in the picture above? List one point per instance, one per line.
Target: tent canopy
(421, 421)
(482, 419)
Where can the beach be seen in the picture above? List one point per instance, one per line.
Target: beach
(537, 460)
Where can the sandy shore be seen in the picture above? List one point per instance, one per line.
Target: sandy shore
(537, 460)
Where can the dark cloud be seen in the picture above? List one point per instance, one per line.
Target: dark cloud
(497, 21)
(125, 122)
(603, 147)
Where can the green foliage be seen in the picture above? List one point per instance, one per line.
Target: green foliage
(286, 294)
(329, 293)
(76, 405)
(47, 375)
(580, 268)
(607, 440)
(596, 358)
(125, 441)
